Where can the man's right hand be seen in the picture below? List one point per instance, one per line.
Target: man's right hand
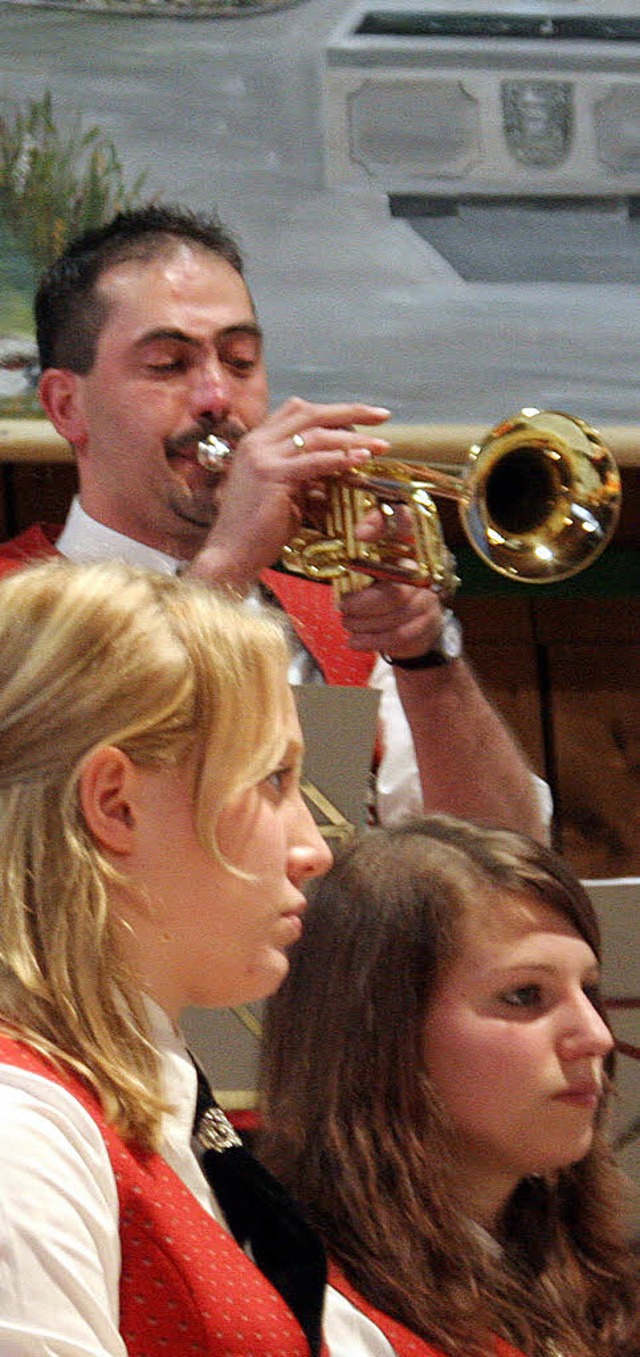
(273, 464)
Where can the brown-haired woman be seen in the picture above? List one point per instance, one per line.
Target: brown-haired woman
(436, 1071)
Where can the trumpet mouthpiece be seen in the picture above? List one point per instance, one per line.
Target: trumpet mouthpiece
(213, 453)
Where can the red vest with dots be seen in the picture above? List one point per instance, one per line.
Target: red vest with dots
(186, 1288)
(310, 607)
(403, 1341)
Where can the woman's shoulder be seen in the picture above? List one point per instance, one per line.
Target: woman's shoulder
(504, 1349)
(43, 1123)
(400, 1341)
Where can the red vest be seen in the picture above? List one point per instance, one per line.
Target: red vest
(310, 607)
(37, 542)
(403, 1341)
(186, 1288)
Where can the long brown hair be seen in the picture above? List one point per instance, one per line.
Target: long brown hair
(354, 1128)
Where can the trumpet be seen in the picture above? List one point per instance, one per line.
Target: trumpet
(539, 499)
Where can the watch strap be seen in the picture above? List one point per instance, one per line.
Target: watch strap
(439, 654)
(432, 659)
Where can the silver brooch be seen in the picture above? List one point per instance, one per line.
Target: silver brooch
(215, 1131)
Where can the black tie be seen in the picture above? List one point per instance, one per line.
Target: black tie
(261, 1215)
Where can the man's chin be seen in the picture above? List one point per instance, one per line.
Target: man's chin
(198, 515)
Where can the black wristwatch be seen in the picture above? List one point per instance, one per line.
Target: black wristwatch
(448, 647)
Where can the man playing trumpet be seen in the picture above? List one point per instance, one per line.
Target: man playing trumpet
(149, 342)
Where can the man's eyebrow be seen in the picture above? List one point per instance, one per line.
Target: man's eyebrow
(250, 329)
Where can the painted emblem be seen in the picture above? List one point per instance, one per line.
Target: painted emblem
(537, 117)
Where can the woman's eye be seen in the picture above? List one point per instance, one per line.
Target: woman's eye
(525, 996)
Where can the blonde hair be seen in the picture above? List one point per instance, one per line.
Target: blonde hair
(165, 670)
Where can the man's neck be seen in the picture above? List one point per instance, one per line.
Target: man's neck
(85, 538)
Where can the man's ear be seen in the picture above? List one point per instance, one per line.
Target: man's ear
(107, 791)
(60, 395)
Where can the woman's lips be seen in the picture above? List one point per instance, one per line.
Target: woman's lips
(580, 1095)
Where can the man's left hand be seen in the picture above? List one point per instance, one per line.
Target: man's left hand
(399, 620)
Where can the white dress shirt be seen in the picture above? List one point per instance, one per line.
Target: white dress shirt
(59, 1233)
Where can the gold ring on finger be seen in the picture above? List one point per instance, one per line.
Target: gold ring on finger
(298, 442)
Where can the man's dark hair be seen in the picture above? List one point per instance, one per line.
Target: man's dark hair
(69, 312)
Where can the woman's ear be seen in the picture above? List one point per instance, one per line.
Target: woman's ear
(107, 791)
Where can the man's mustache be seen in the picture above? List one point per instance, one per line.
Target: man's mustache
(227, 429)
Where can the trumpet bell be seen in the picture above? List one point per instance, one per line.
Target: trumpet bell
(541, 496)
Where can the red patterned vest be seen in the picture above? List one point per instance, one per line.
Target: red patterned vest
(310, 607)
(186, 1288)
(403, 1341)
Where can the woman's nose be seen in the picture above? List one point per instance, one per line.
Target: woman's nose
(309, 854)
(585, 1033)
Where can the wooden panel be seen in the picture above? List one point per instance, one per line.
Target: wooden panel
(595, 708)
(4, 525)
(498, 638)
(588, 621)
(565, 674)
(40, 493)
(497, 621)
(627, 530)
(509, 678)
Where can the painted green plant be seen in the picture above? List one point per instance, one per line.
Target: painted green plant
(56, 182)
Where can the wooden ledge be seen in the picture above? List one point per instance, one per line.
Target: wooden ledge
(35, 440)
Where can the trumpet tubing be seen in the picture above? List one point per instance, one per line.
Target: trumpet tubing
(338, 555)
(539, 499)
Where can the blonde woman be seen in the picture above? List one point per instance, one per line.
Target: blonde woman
(153, 849)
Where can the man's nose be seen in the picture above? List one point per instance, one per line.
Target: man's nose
(211, 389)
